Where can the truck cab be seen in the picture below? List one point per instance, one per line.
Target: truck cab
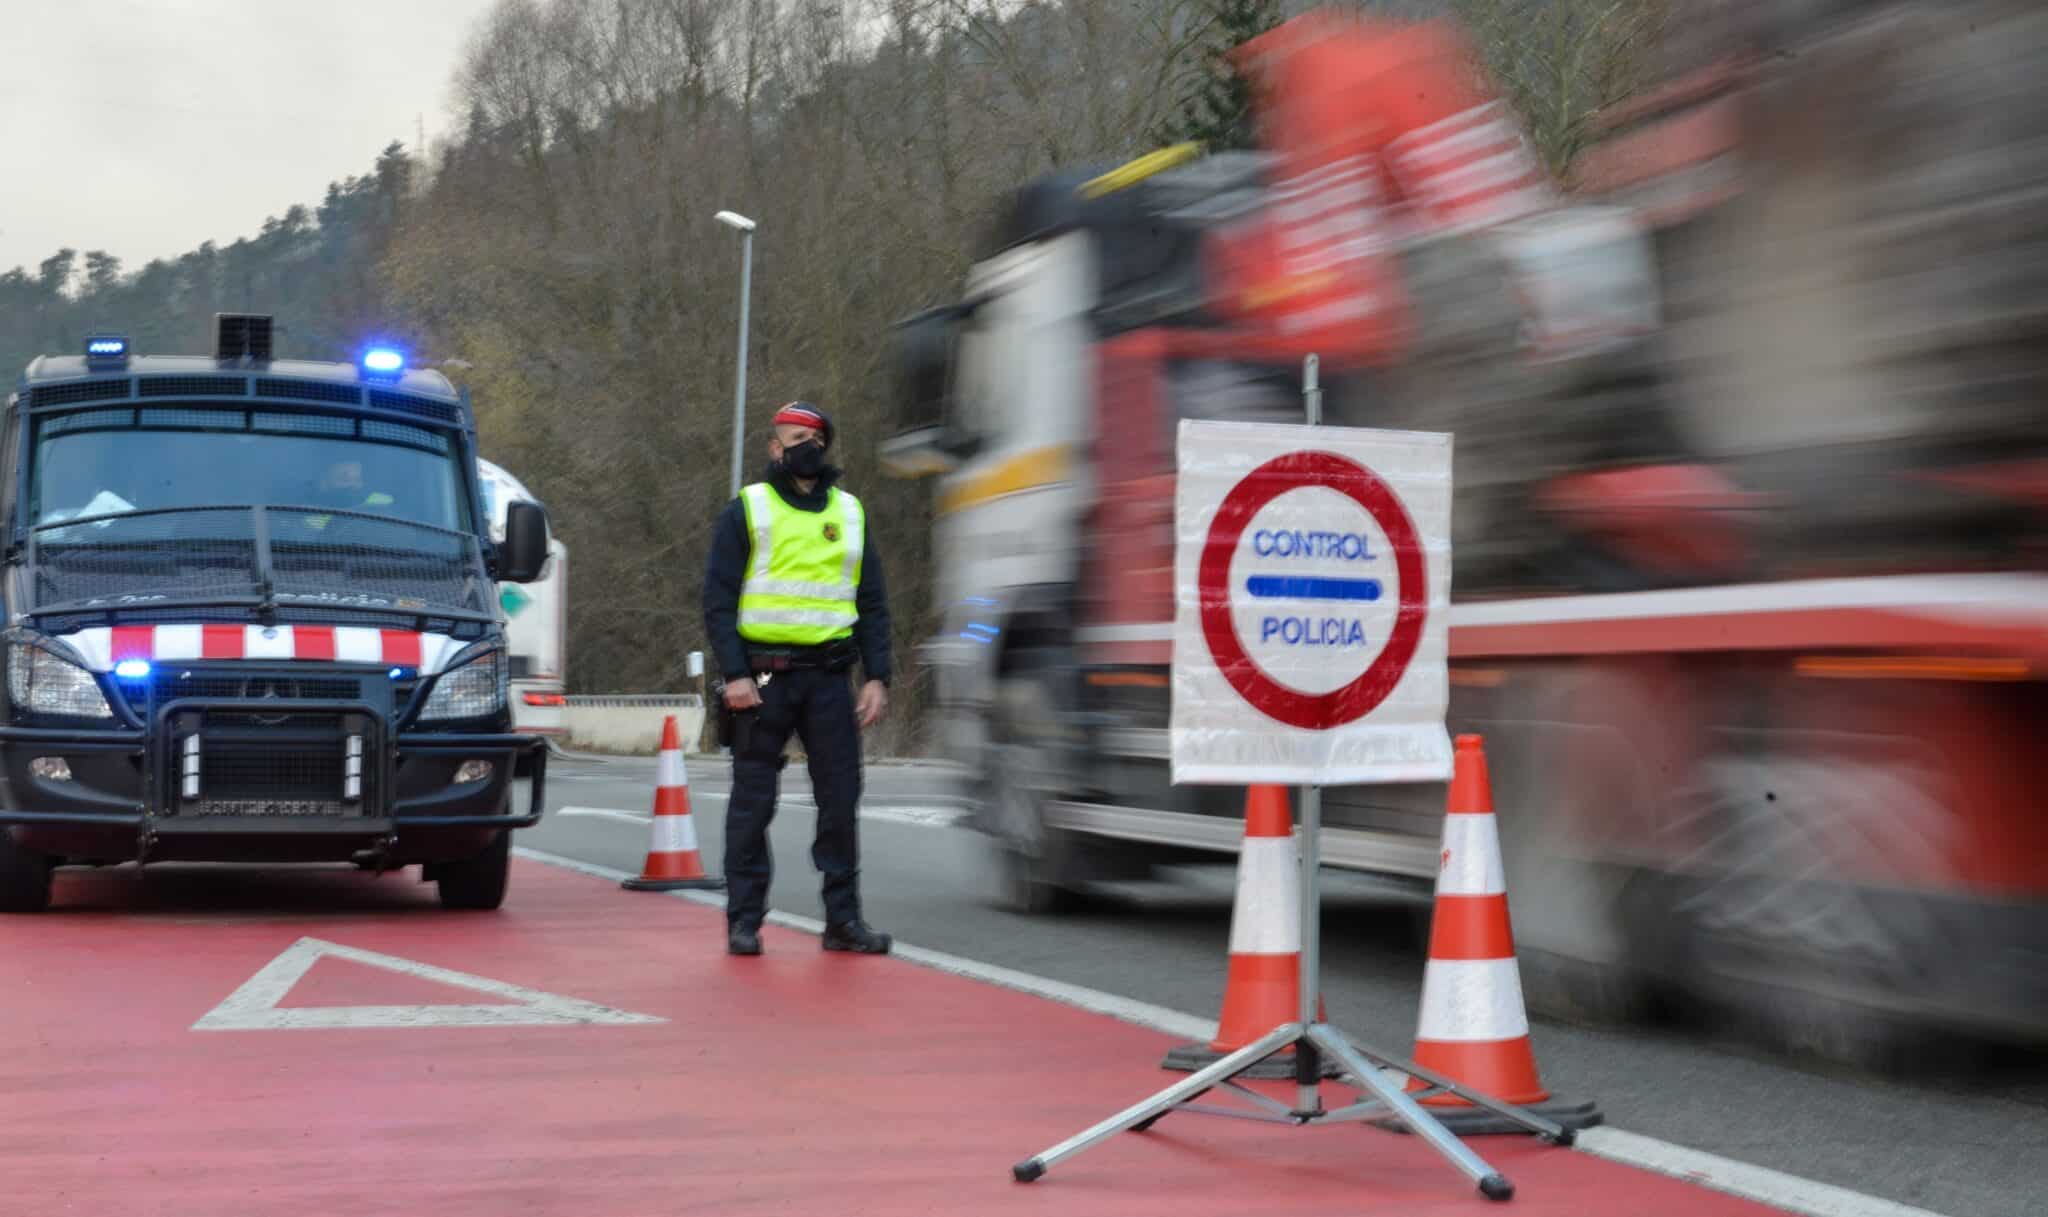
(251, 617)
(536, 617)
(1044, 405)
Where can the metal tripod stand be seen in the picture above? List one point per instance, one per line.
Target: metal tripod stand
(1309, 1038)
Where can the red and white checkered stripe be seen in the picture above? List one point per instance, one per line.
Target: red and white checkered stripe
(102, 647)
(1470, 170)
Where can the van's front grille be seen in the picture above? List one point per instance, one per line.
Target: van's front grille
(246, 763)
(174, 682)
(268, 773)
(169, 686)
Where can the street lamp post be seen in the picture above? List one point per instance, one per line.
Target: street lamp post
(739, 393)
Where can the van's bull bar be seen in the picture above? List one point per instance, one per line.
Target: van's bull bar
(530, 758)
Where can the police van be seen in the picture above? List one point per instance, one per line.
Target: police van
(251, 616)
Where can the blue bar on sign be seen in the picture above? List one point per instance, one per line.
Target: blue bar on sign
(1307, 587)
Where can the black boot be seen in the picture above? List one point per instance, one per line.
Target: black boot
(742, 940)
(857, 937)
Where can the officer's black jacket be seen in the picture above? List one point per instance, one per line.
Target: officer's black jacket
(731, 550)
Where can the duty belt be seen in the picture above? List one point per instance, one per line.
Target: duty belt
(797, 659)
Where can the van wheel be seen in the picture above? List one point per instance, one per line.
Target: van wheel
(24, 878)
(479, 882)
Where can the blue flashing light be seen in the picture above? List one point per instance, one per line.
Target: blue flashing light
(383, 361)
(132, 669)
(398, 673)
(106, 349)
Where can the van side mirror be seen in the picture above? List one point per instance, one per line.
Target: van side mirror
(525, 550)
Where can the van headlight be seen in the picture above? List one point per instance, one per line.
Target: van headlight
(473, 689)
(44, 682)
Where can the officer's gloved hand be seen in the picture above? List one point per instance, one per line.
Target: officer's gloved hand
(742, 695)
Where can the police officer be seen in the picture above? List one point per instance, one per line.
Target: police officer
(793, 596)
(342, 488)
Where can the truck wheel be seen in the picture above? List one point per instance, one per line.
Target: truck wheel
(1036, 863)
(479, 882)
(1575, 776)
(1785, 931)
(24, 878)
(1577, 960)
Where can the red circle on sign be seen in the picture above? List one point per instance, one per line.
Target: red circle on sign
(1296, 470)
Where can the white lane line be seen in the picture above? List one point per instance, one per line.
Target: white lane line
(919, 815)
(1761, 1184)
(1757, 1183)
(632, 817)
(914, 815)
(1143, 1014)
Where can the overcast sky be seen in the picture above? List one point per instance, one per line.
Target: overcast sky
(144, 127)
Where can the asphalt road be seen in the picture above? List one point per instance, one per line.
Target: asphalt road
(1965, 1146)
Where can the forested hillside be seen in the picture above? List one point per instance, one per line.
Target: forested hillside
(559, 255)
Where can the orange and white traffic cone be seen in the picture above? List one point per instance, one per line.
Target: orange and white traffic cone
(1262, 989)
(1473, 1027)
(673, 862)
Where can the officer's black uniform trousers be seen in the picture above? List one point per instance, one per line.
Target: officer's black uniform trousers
(817, 705)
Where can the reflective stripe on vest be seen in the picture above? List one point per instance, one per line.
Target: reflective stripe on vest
(804, 575)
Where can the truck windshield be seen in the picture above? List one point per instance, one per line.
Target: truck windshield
(403, 472)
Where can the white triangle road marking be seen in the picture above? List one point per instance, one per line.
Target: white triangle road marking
(253, 1007)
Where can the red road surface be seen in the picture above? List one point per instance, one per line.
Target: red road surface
(796, 1083)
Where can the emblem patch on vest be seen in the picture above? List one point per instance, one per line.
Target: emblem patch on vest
(831, 532)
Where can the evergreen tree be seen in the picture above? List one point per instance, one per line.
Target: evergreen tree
(1218, 108)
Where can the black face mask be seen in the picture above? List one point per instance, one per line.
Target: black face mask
(805, 460)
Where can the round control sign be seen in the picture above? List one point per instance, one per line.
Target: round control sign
(1313, 589)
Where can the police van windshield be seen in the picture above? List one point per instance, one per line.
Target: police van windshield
(103, 463)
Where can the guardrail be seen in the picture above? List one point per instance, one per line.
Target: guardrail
(630, 722)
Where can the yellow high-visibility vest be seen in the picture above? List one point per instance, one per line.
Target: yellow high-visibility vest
(375, 498)
(804, 573)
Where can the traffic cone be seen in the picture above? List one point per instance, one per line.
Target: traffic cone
(1263, 987)
(1474, 1027)
(672, 859)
